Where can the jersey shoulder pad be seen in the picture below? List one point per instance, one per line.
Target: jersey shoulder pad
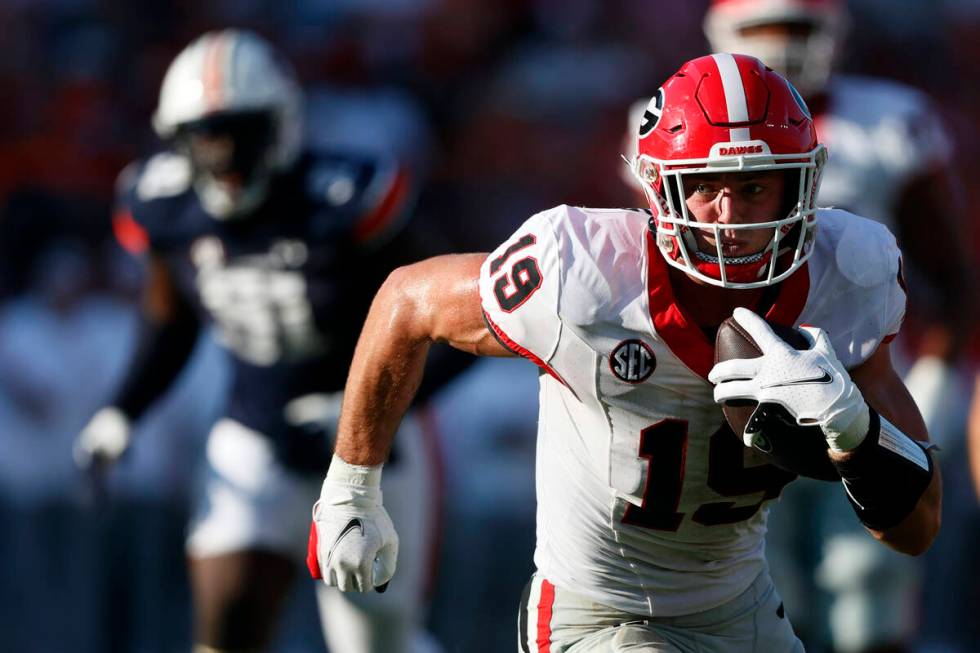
(368, 194)
(603, 252)
(857, 293)
(162, 176)
(567, 268)
(864, 251)
(150, 194)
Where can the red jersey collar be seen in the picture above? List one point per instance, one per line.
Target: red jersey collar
(685, 338)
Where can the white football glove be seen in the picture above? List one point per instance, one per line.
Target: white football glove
(353, 545)
(811, 384)
(104, 439)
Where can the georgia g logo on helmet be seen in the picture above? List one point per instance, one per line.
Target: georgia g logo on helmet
(652, 114)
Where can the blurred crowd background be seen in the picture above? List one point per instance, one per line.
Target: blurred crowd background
(502, 108)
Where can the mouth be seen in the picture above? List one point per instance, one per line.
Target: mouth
(729, 246)
(734, 247)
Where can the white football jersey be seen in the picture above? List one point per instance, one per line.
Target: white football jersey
(879, 135)
(647, 502)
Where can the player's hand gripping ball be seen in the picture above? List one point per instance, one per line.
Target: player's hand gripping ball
(769, 427)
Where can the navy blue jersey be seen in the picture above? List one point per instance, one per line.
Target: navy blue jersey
(288, 287)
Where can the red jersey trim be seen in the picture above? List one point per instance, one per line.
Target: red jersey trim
(685, 338)
(505, 340)
(545, 609)
(130, 235)
(312, 562)
(376, 221)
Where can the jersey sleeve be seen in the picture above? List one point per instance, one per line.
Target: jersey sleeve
(520, 286)
(148, 196)
(864, 299)
(384, 202)
(877, 274)
(130, 235)
(369, 197)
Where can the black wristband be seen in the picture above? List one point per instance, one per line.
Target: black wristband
(886, 474)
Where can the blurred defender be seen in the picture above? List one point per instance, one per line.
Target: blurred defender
(281, 249)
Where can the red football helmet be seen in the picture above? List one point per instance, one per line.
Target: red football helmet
(729, 113)
(804, 54)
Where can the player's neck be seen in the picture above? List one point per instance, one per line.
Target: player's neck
(708, 305)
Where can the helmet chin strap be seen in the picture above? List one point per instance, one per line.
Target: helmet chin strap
(731, 260)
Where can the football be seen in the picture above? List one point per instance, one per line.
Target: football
(798, 449)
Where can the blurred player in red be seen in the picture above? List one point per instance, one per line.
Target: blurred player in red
(889, 161)
(651, 512)
(279, 248)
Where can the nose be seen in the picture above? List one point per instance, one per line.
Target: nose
(728, 207)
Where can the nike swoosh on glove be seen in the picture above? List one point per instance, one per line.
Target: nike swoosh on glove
(811, 384)
(353, 545)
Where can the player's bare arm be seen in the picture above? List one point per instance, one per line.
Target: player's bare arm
(160, 302)
(885, 393)
(167, 336)
(436, 300)
(353, 544)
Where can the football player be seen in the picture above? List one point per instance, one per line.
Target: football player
(890, 161)
(651, 512)
(280, 249)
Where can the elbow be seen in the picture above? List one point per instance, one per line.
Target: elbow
(928, 533)
(402, 299)
(916, 534)
(920, 542)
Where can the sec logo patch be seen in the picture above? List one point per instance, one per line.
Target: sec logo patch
(632, 361)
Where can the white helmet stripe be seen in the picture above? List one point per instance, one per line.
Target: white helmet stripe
(731, 81)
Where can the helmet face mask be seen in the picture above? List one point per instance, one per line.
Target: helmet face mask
(231, 106)
(729, 114)
(231, 156)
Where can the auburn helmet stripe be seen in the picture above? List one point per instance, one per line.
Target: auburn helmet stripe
(214, 63)
(805, 59)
